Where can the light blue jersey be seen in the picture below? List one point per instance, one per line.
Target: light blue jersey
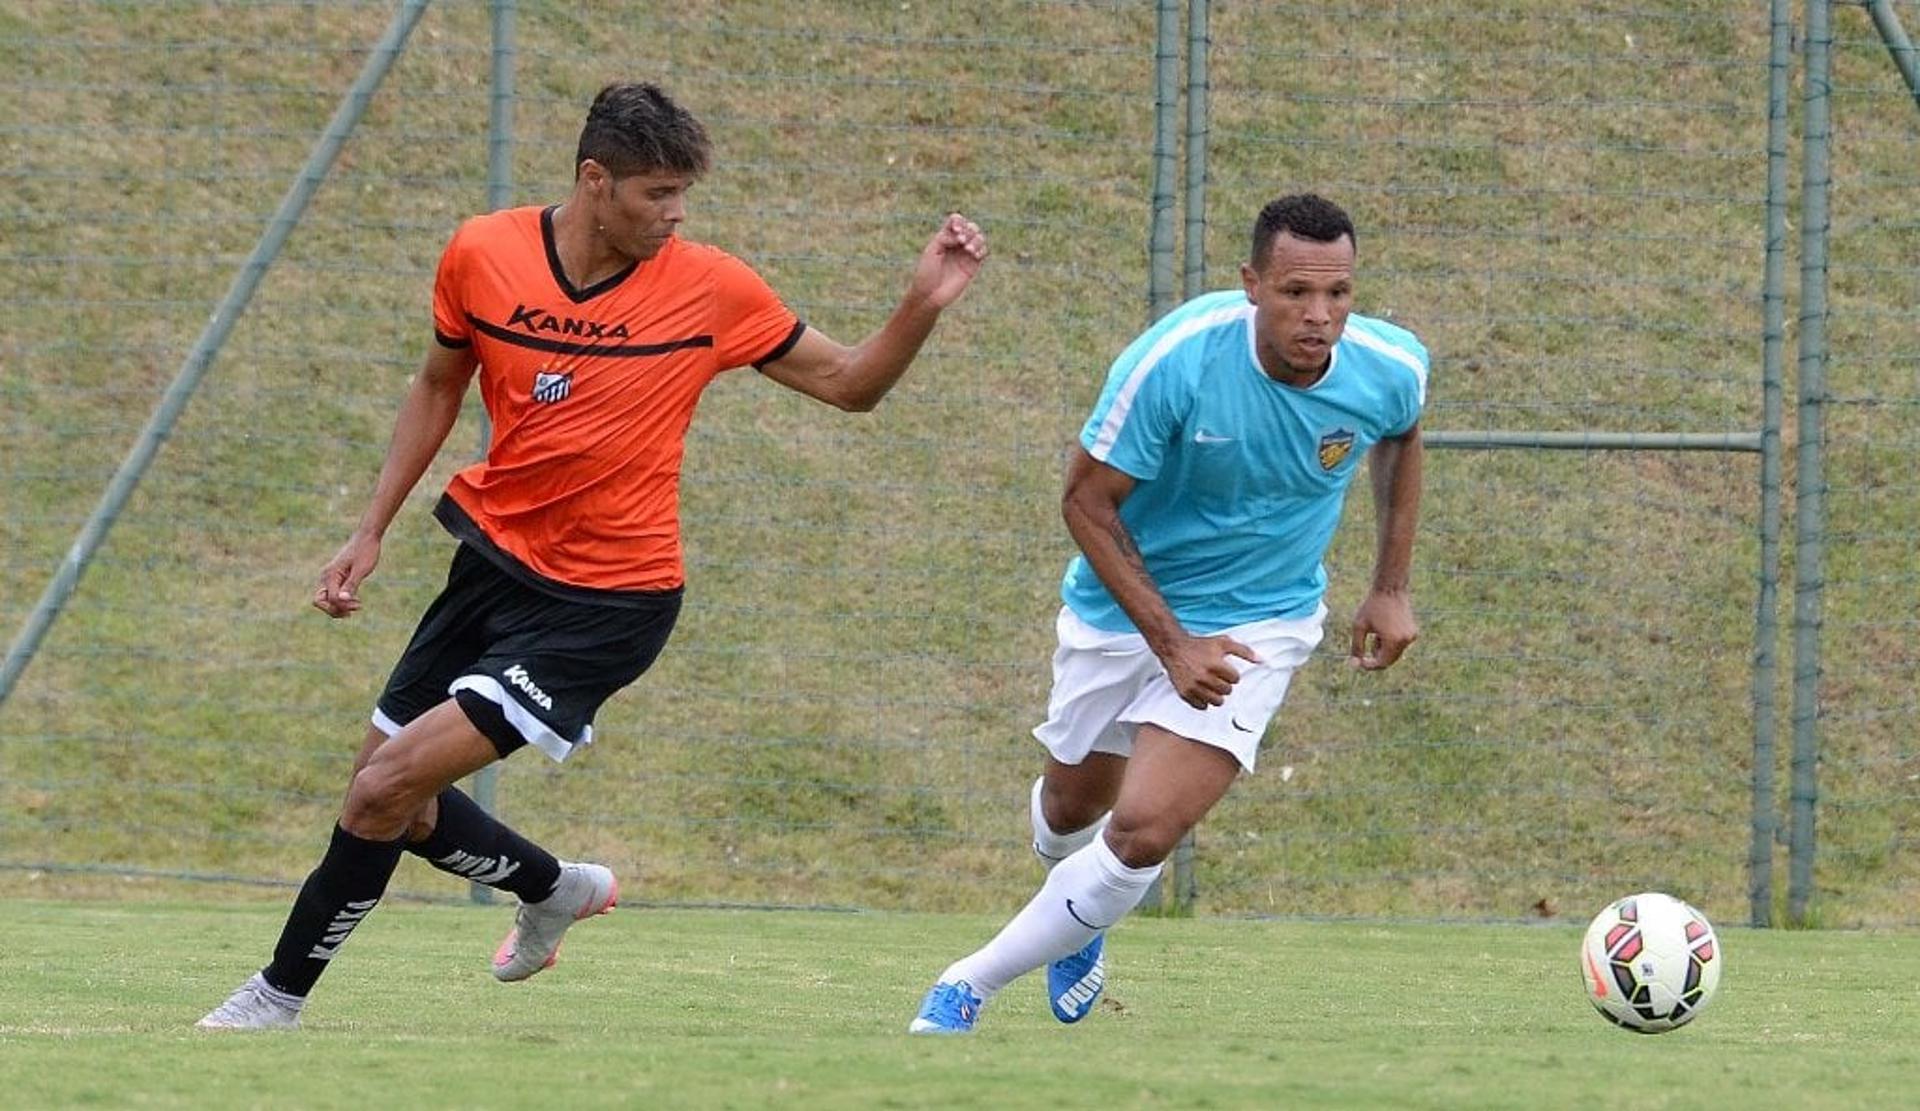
(1239, 479)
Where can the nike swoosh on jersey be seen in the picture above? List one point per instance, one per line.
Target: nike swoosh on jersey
(1210, 438)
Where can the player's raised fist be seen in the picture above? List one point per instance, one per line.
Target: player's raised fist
(950, 261)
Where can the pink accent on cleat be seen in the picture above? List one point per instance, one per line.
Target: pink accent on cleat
(505, 953)
(591, 888)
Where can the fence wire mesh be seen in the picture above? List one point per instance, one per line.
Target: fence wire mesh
(1566, 203)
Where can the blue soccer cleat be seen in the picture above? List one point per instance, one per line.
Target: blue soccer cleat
(1074, 981)
(947, 1009)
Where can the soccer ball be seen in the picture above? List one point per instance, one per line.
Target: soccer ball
(1651, 963)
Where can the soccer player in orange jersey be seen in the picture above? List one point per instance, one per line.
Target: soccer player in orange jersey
(593, 328)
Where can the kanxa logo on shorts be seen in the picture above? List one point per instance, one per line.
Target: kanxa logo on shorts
(549, 387)
(1334, 447)
(518, 676)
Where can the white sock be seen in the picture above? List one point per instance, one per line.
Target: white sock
(1052, 847)
(1084, 894)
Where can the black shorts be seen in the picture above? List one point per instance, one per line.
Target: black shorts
(527, 667)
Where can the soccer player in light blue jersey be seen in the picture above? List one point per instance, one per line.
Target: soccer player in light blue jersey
(1206, 486)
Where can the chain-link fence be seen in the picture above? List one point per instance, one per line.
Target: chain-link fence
(1570, 206)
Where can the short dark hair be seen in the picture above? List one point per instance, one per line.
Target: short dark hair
(1306, 215)
(634, 127)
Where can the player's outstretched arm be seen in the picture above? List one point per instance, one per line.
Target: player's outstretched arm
(1196, 666)
(426, 416)
(1384, 625)
(856, 378)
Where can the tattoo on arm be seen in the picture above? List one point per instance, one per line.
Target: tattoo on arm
(1130, 552)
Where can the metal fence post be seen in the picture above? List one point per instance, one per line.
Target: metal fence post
(1766, 630)
(1195, 278)
(1905, 58)
(1810, 509)
(1166, 96)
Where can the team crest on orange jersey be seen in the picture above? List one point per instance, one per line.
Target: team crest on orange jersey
(1334, 447)
(549, 387)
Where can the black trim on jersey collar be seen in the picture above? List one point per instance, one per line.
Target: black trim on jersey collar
(560, 274)
(603, 350)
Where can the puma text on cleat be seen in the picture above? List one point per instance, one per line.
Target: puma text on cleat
(1074, 982)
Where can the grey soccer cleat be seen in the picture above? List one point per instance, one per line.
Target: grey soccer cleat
(533, 944)
(255, 1006)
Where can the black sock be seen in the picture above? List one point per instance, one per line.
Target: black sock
(467, 841)
(337, 895)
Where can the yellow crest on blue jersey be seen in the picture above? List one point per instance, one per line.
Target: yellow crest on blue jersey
(1334, 447)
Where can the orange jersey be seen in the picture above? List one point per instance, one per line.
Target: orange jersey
(591, 392)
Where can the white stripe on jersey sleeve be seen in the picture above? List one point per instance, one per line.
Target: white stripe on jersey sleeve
(1398, 354)
(1116, 417)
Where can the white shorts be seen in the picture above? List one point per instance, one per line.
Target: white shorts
(1106, 685)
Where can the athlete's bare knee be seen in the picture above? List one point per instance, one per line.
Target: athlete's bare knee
(1142, 843)
(379, 806)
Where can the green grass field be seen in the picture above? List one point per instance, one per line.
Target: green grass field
(714, 1008)
(1565, 201)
